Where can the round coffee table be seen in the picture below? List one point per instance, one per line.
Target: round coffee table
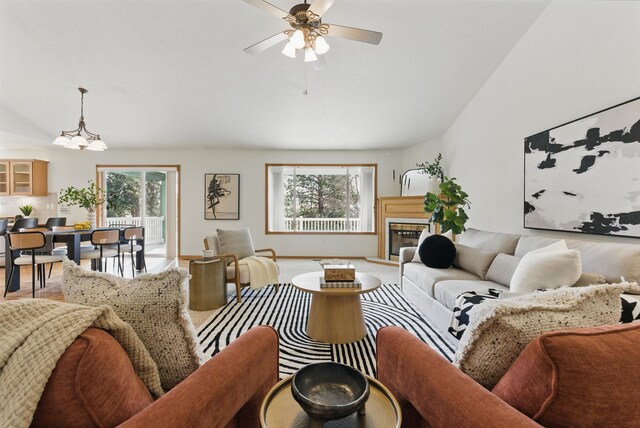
(336, 314)
(280, 410)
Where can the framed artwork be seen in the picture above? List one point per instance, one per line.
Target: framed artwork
(584, 176)
(222, 196)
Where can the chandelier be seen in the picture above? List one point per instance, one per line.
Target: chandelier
(308, 31)
(75, 140)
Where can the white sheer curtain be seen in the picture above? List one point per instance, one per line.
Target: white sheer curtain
(276, 198)
(367, 180)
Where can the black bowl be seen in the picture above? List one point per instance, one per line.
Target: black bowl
(329, 391)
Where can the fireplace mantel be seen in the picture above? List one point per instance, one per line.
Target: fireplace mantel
(397, 207)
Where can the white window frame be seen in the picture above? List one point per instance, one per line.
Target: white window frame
(270, 190)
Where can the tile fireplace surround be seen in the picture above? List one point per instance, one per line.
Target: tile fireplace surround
(398, 210)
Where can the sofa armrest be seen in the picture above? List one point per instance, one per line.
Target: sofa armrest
(406, 254)
(433, 392)
(229, 387)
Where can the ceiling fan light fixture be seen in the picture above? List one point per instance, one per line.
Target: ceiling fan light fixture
(321, 45)
(297, 39)
(289, 50)
(309, 55)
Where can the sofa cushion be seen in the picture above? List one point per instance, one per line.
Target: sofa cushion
(423, 235)
(502, 269)
(548, 267)
(474, 260)
(93, 384)
(155, 305)
(500, 329)
(446, 292)
(489, 241)
(611, 260)
(530, 243)
(236, 242)
(425, 277)
(581, 377)
(437, 251)
(589, 278)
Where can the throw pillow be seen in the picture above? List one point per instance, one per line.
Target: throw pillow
(155, 305)
(473, 260)
(437, 251)
(423, 235)
(236, 242)
(500, 329)
(502, 269)
(579, 378)
(548, 267)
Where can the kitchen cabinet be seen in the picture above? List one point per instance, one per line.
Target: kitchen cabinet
(24, 177)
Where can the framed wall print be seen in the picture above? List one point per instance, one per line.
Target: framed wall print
(584, 176)
(222, 196)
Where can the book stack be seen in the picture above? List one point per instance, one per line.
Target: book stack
(340, 284)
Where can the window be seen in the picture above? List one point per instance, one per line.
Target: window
(321, 198)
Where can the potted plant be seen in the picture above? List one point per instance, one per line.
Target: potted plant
(447, 208)
(26, 209)
(433, 170)
(86, 197)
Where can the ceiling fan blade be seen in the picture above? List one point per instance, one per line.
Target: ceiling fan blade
(357, 34)
(268, 7)
(320, 64)
(319, 7)
(266, 43)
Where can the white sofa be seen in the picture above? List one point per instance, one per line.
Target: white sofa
(434, 291)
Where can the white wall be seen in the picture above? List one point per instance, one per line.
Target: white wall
(423, 152)
(576, 59)
(67, 167)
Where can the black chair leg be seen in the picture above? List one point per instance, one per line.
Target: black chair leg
(6, 286)
(33, 280)
(133, 266)
(50, 269)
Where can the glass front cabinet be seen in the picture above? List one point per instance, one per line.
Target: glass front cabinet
(23, 177)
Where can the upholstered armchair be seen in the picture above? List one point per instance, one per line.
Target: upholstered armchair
(94, 385)
(232, 246)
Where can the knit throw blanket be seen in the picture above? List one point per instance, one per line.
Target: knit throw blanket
(33, 336)
(262, 271)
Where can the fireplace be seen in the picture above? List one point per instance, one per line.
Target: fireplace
(403, 234)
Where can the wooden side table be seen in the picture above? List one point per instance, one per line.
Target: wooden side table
(335, 315)
(280, 410)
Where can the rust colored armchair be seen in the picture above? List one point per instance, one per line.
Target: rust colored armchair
(584, 377)
(94, 384)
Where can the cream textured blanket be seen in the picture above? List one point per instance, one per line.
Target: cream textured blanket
(33, 336)
(262, 271)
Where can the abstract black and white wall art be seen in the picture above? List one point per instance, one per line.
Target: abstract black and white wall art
(584, 176)
(222, 196)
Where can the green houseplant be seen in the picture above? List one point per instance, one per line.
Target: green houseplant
(433, 169)
(447, 208)
(26, 210)
(86, 197)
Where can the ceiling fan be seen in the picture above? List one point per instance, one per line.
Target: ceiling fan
(307, 31)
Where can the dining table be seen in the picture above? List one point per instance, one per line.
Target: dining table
(73, 240)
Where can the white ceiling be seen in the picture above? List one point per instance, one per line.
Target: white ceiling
(168, 74)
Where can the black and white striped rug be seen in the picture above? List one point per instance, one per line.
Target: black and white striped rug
(287, 311)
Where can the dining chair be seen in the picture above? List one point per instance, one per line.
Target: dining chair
(133, 236)
(26, 243)
(24, 223)
(55, 222)
(3, 231)
(106, 243)
(62, 249)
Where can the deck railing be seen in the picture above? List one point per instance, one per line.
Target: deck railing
(153, 226)
(321, 224)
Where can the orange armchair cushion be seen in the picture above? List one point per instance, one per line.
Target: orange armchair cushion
(578, 377)
(93, 384)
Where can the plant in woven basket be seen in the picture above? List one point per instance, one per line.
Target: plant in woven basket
(26, 210)
(86, 197)
(447, 208)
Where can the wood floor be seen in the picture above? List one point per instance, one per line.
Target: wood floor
(53, 289)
